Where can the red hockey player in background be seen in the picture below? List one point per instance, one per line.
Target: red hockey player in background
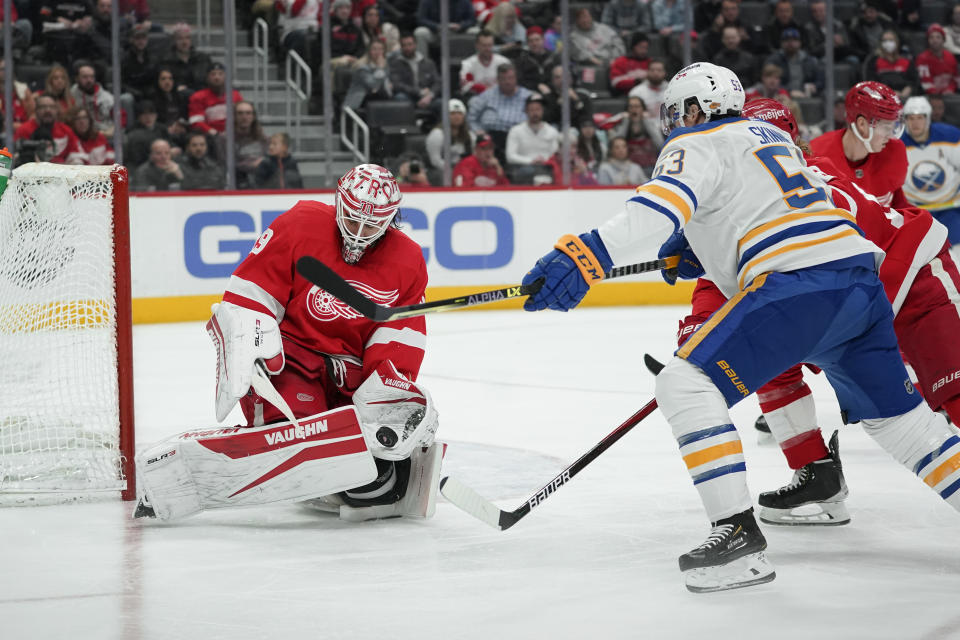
(322, 355)
(869, 151)
(921, 281)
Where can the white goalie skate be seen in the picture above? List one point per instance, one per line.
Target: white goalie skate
(418, 501)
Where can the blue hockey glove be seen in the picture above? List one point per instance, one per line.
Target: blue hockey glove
(567, 272)
(689, 266)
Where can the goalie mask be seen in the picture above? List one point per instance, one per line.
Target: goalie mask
(396, 415)
(715, 89)
(367, 200)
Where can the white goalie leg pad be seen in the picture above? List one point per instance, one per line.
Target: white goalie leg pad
(922, 441)
(420, 498)
(709, 443)
(236, 466)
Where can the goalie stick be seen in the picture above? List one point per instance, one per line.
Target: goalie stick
(330, 281)
(479, 507)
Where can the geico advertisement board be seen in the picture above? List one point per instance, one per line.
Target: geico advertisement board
(184, 247)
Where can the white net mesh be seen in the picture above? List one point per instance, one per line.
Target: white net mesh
(59, 408)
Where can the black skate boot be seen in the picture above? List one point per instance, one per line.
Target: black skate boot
(814, 497)
(730, 558)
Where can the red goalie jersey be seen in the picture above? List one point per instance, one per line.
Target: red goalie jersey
(326, 343)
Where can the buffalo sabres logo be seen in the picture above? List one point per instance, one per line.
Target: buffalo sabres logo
(927, 176)
(324, 307)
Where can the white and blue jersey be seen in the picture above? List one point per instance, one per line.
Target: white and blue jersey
(800, 277)
(746, 201)
(933, 175)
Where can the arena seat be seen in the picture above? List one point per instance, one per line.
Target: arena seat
(609, 105)
(596, 80)
(811, 109)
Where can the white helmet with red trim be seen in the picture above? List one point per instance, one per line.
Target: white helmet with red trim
(367, 199)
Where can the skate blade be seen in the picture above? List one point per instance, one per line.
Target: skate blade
(143, 510)
(818, 514)
(319, 505)
(750, 570)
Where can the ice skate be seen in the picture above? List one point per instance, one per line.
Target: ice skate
(814, 497)
(406, 488)
(144, 509)
(730, 558)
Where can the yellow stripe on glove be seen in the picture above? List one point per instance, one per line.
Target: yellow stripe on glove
(582, 256)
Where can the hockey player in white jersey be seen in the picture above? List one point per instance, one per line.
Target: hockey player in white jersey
(933, 172)
(736, 197)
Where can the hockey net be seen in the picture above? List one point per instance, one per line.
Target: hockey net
(66, 418)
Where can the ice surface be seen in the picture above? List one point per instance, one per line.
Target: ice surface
(520, 396)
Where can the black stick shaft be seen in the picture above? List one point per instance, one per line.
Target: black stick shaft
(328, 280)
(510, 518)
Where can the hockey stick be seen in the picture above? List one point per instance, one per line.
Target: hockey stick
(653, 365)
(479, 507)
(330, 281)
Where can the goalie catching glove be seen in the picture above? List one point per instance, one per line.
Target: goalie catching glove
(242, 337)
(396, 415)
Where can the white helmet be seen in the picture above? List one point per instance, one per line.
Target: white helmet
(917, 105)
(367, 201)
(716, 89)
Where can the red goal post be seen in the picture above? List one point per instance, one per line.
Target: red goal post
(66, 338)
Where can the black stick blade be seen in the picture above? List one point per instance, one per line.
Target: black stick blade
(654, 365)
(331, 282)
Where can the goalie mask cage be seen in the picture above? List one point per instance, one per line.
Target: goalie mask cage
(66, 383)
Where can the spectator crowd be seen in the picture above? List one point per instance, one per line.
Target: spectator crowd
(172, 100)
(505, 111)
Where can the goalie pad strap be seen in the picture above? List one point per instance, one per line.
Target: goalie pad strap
(582, 256)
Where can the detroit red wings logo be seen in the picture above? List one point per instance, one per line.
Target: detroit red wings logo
(324, 307)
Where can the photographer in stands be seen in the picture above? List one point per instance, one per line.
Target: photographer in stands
(44, 139)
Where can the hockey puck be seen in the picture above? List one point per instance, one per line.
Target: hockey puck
(761, 425)
(387, 437)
